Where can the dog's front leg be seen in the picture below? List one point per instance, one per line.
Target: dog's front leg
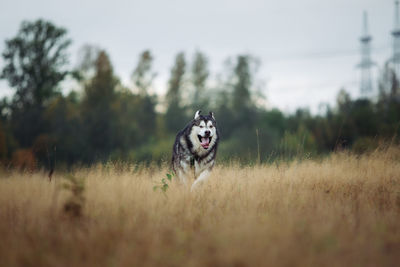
(183, 177)
(202, 178)
(183, 172)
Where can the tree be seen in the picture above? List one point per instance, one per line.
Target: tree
(35, 63)
(35, 59)
(388, 85)
(97, 112)
(388, 105)
(143, 76)
(101, 88)
(175, 115)
(343, 101)
(241, 88)
(199, 77)
(242, 104)
(86, 66)
(3, 143)
(63, 115)
(144, 104)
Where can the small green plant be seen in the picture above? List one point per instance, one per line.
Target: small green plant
(73, 206)
(163, 186)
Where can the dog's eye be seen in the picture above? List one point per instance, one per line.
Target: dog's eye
(211, 126)
(201, 126)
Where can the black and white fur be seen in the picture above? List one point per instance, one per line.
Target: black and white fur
(191, 157)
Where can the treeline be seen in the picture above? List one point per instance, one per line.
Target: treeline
(106, 120)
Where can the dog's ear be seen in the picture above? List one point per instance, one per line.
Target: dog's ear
(197, 115)
(212, 114)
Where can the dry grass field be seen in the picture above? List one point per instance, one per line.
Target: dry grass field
(343, 210)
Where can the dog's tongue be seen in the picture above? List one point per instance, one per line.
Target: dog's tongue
(205, 142)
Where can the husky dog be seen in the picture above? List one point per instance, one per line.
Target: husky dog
(195, 149)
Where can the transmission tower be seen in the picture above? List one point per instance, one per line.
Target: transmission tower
(396, 41)
(366, 63)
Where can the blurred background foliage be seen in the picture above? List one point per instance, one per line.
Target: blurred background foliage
(105, 120)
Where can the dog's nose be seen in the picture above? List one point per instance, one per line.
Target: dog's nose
(207, 132)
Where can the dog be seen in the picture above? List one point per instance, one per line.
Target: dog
(195, 149)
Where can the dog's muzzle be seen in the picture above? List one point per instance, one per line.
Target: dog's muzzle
(205, 141)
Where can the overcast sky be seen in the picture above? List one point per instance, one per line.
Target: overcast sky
(308, 48)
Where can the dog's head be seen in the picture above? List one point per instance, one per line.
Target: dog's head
(204, 130)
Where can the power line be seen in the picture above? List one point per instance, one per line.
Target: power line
(325, 54)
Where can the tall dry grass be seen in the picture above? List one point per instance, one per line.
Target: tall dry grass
(341, 211)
